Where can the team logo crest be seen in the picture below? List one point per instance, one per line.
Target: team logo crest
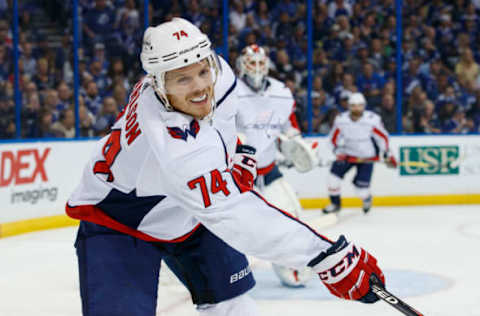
(177, 132)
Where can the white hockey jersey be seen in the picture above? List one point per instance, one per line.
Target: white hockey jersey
(262, 116)
(365, 138)
(159, 175)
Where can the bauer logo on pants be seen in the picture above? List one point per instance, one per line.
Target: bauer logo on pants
(429, 160)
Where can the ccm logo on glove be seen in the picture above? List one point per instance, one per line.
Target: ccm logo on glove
(348, 262)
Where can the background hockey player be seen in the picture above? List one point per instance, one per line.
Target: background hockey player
(160, 186)
(359, 139)
(267, 113)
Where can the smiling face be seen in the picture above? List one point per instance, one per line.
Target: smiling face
(190, 89)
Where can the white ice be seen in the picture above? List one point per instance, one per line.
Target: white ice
(38, 271)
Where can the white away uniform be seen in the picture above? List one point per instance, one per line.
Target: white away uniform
(163, 176)
(364, 138)
(356, 144)
(263, 116)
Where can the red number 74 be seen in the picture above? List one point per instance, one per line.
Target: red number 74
(217, 185)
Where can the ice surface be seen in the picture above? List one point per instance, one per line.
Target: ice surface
(430, 256)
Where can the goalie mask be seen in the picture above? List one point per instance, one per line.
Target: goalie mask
(173, 45)
(253, 66)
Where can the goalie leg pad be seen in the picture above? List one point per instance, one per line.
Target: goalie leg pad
(282, 195)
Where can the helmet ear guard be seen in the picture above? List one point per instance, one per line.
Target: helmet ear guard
(253, 65)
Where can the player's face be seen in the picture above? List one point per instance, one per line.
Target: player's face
(190, 89)
(356, 110)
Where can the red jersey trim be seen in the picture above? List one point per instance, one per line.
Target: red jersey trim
(293, 117)
(335, 136)
(382, 135)
(92, 213)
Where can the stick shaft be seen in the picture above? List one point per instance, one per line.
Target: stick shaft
(391, 299)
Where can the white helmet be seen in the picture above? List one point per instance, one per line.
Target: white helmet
(253, 66)
(357, 98)
(171, 45)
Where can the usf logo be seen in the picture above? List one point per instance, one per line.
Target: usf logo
(429, 160)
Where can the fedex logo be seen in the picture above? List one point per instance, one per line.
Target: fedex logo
(343, 265)
(23, 166)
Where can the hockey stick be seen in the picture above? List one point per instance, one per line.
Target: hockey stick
(391, 299)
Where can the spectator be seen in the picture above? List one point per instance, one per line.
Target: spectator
(283, 26)
(342, 104)
(65, 126)
(106, 117)
(319, 110)
(45, 126)
(387, 112)
(446, 97)
(238, 17)
(7, 117)
(334, 77)
(30, 116)
(347, 85)
(5, 62)
(99, 55)
(284, 68)
(98, 24)
(86, 122)
(5, 36)
(52, 103)
(195, 15)
(262, 15)
(467, 69)
(370, 83)
(427, 122)
(41, 48)
(93, 101)
(64, 96)
(43, 78)
(29, 62)
(328, 121)
(339, 7)
(99, 77)
(117, 70)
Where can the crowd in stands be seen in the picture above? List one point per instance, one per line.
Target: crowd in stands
(354, 49)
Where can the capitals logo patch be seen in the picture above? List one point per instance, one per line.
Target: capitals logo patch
(177, 132)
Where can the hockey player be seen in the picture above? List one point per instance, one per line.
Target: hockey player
(166, 184)
(265, 116)
(358, 139)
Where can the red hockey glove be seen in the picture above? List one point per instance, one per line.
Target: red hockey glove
(391, 162)
(345, 269)
(244, 168)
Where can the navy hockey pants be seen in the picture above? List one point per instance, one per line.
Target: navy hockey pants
(363, 176)
(119, 273)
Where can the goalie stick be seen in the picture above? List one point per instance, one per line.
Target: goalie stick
(391, 299)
